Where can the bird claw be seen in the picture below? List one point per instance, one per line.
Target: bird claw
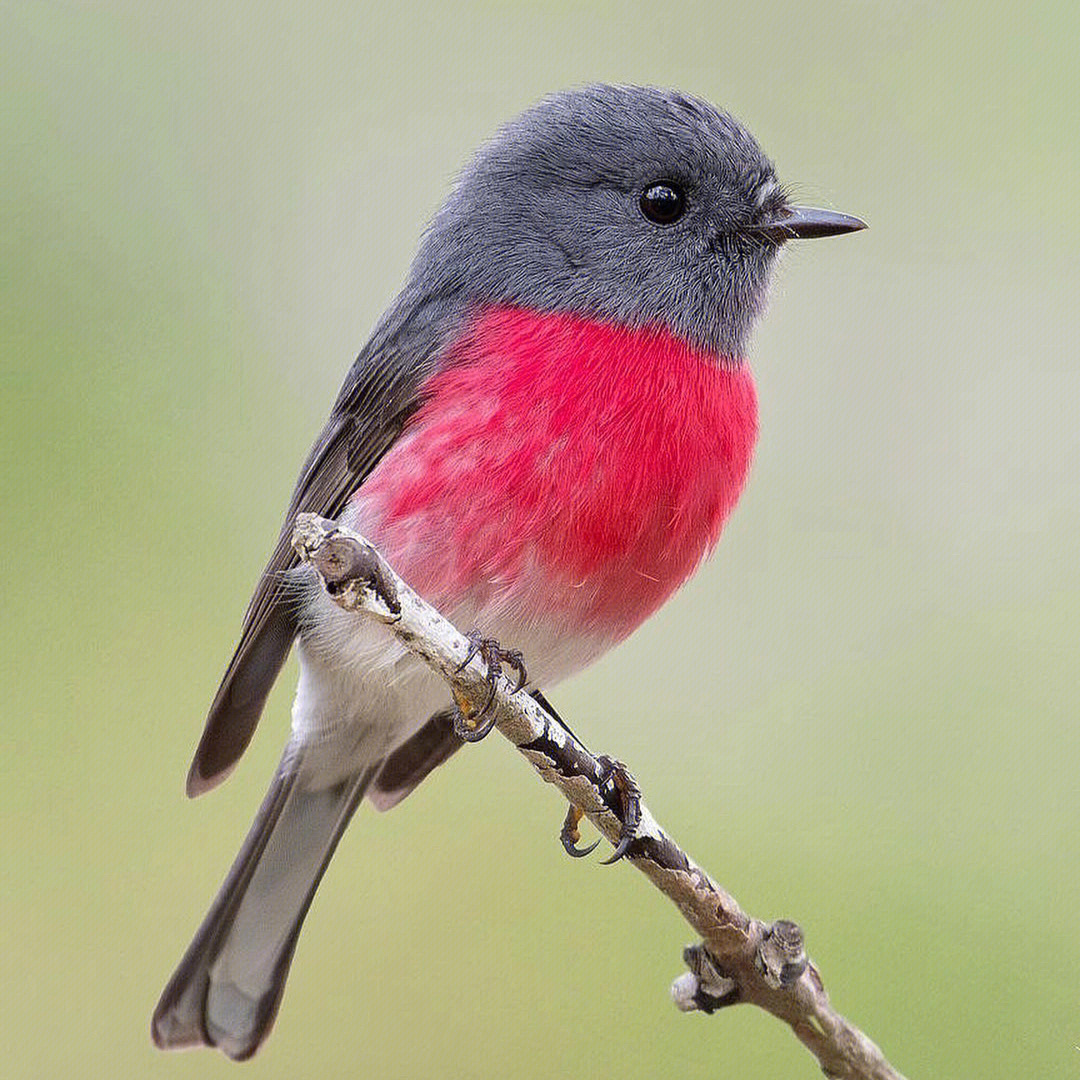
(470, 725)
(569, 835)
(469, 728)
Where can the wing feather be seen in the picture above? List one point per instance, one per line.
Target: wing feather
(381, 391)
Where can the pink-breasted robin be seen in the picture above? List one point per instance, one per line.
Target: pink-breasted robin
(544, 435)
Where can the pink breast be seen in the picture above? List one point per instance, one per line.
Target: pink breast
(576, 470)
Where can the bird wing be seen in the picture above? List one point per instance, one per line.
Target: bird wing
(379, 394)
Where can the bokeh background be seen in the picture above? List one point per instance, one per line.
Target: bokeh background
(862, 713)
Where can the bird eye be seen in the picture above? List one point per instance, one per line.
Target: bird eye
(663, 203)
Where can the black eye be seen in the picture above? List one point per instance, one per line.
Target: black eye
(663, 203)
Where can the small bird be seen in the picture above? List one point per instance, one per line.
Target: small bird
(544, 436)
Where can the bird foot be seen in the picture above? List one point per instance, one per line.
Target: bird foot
(470, 724)
(629, 796)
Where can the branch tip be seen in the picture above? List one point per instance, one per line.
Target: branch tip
(346, 563)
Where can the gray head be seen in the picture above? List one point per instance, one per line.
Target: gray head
(638, 205)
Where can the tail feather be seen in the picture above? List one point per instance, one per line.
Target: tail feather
(228, 986)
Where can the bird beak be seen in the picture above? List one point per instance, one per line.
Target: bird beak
(804, 223)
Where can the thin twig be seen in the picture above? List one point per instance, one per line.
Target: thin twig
(741, 959)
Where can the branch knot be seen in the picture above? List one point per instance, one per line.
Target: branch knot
(781, 957)
(705, 988)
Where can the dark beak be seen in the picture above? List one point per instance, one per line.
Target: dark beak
(804, 223)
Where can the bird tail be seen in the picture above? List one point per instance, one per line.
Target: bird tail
(228, 986)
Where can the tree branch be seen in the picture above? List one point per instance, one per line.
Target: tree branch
(741, 959)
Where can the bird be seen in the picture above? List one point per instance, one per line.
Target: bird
(544, 435)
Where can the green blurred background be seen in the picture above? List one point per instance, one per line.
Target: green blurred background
(862, 713)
